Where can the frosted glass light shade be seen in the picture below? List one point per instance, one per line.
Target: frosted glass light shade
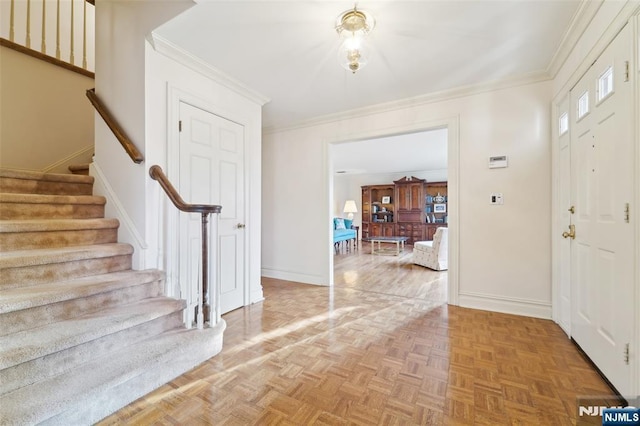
(353, 53)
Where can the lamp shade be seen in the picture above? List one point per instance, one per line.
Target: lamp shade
(350, 208)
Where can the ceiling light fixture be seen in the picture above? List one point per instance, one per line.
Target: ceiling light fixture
(353, 26)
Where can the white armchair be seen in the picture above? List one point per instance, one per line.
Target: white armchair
(433, 254)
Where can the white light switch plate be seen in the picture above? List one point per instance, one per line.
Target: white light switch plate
(496, 198)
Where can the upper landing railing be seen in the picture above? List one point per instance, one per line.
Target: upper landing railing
(60, 29)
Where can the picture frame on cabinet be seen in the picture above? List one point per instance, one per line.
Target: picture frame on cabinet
(439, 208)
(386, 200)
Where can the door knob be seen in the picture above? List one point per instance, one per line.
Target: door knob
(241, 225)
(571, 234)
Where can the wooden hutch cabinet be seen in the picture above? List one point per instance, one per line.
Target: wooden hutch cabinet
(411, 208)
(410, 199)
(378, 210)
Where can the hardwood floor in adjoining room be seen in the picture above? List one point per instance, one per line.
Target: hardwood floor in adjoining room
(381, 347)
(396, 275)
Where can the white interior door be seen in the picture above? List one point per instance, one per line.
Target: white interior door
(602, 254)
(212, 172)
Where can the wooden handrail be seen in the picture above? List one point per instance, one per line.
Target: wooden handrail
(35, 54)
(156, 173)
(117, 130)
(204, 307)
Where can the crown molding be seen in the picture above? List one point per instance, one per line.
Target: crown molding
(441, 96)
(578, 25)
(167, 48)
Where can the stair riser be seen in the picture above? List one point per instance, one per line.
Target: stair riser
(39, 274)
(12, 211)
(30, 186)
(25, 319)
(93, 408)
(57, 363)
(51, 239)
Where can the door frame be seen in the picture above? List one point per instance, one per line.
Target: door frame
(175, 97)
(452, 124)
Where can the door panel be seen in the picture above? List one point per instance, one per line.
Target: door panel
(416, 198)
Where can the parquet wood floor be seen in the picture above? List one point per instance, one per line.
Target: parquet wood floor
(380, 348)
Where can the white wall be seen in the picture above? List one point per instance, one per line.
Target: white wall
(341, 193)
(121, 28)
(46, 121)
(504, 251)
(349, 186)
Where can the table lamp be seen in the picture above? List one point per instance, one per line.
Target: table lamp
(350, 208)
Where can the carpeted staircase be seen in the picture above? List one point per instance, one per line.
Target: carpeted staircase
(81, 333)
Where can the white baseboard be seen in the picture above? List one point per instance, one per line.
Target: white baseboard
(82, 156)
(294, 276)
(507, 305)
(127, 232)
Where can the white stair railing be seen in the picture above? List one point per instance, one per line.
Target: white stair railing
(56, 23)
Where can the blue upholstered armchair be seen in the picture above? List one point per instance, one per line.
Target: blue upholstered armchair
(343, 233)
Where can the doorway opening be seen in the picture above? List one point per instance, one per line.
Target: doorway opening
(382, 158)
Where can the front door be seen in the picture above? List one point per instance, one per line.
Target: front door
(602, 254)
(212, 172)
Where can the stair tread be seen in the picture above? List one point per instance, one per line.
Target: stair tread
(16, 299)
(36, 225)
(21, 258)
(77, 167)
(7, 197)
(50, 177)
(26, 345)
(45, 399)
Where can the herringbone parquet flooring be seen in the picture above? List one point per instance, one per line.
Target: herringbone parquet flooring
(381, 348)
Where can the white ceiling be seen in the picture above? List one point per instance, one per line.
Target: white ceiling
(287, 50)
(423, 151)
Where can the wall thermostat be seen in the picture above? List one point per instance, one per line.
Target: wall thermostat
(498, 162)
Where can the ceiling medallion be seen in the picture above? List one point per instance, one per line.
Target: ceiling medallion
(353, 26)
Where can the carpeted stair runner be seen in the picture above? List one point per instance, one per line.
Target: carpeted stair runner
(81, 333)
